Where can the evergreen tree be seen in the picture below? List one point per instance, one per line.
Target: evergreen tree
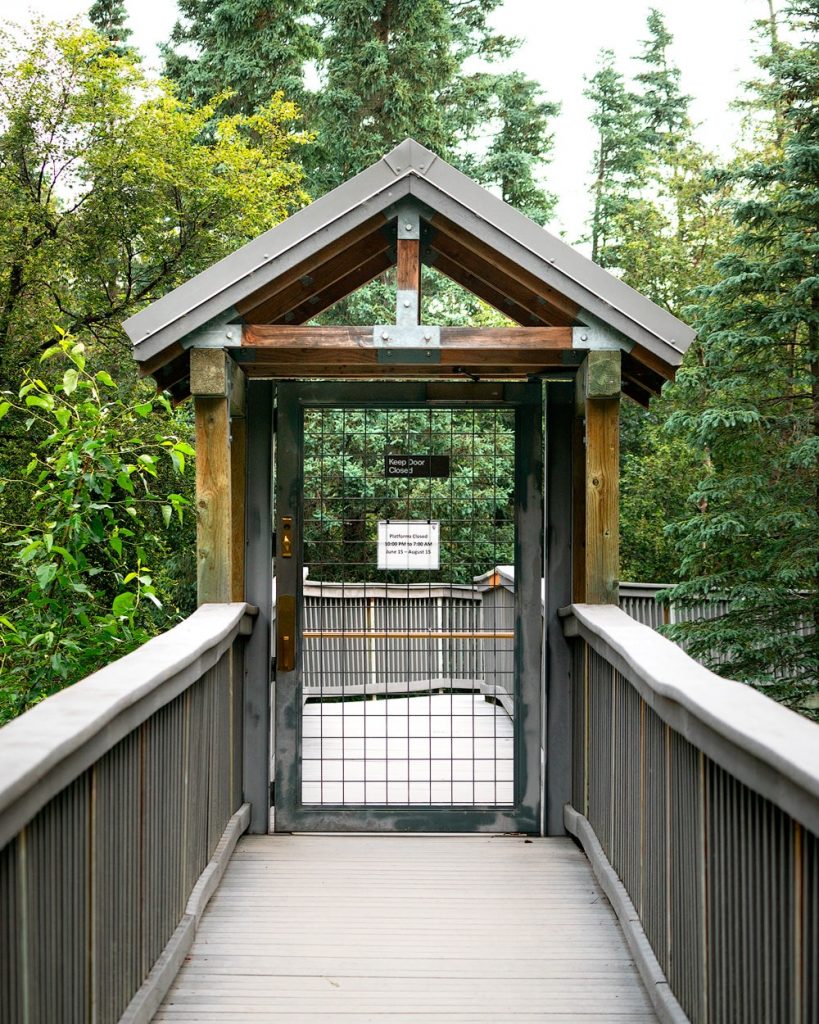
(656, 223)
(619, 159)
(754, 405)
(387, 69)
(109, 18)
(254, 48)
(664, 105)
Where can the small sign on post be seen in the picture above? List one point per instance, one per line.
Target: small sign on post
(409, 544)
(416, 465)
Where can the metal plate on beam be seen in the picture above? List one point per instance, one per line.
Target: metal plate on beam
(406, 336)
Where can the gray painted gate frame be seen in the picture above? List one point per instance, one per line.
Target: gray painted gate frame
(544, 654)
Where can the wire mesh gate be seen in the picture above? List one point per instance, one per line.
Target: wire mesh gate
(408, 676)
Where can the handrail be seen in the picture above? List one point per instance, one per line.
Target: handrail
(49, 746)
(767, 746)
(696, 799)
(121, 799)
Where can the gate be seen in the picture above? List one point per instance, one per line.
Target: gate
(408, 688)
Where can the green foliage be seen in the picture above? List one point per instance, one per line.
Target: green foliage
(109, 18)
(658, 222)
(108, 198)
(254, 48)
(387, 70)
(87, 579)
(347, 493)
(752, 404)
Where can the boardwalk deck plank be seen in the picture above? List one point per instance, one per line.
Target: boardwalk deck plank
(455, 929)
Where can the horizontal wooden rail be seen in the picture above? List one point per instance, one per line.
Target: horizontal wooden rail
(353, 634)
(703, 796)
(114, 796)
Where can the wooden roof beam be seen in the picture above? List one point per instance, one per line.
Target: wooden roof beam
(339, 289)
(487, 292)
(306, 267)
(487, 254)
(281, 305)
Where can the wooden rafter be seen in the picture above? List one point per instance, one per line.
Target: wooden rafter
(488, 292)
(484, 252)
(322, 278)
(489, 282)
(308, 267)
(339, 289)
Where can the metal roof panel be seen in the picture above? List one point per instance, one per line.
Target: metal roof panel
(412, 169)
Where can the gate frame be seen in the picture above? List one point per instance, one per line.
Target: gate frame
(526, 815)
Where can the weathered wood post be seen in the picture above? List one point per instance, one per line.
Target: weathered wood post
(597, 471)
(238, 474)
(210, 389)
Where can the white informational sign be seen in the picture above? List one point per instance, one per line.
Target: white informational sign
(409, 545)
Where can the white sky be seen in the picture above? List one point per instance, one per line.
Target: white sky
(561, 41)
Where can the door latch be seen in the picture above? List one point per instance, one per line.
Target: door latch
(285, 633)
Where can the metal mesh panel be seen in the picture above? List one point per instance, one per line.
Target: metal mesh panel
(750, 875)
(432, 647)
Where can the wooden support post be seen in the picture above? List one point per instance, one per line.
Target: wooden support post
(238, 469)
(209, 387)
(408, 279)
(579, 487)
(408, 269)
(601, 389)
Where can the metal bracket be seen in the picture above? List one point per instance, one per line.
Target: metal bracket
(224, 331)
(594, 334)
(407, 343)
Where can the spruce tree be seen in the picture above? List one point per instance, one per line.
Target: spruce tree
(619, 159)
(254, 48)
(754, 404)
(386, 69)
(109, 18)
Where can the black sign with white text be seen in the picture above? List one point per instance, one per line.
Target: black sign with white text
(416, 465)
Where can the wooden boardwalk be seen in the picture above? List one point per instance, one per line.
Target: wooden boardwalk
(399, 929)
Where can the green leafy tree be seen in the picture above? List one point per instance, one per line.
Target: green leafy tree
(88, 577)
(753, 405)
(112, 192)
(107, 197)
(109, 18)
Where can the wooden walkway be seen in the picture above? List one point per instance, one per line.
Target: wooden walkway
(399, 929)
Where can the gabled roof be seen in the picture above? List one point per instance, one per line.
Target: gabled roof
(327, 250)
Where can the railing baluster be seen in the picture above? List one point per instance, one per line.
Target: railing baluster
(113, 797)
(720, 787)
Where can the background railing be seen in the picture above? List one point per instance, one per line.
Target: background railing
(704, 797)
(363, 638)
(114, 795)
(378, 638)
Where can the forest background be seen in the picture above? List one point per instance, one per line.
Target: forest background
(115, 186)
